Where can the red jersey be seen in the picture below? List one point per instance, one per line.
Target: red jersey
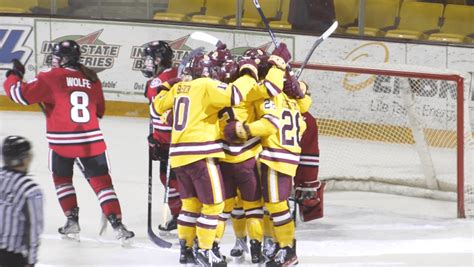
(161, 130)
(72, 105)
(308, 167)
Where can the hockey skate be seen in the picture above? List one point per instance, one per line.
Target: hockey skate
(207, 258)
(217, 251)
(71, 229)
(285, 256)
(239, 249)
(186, 255)
(169, 229)
(121, 232)
(256, 251)
(270, 248)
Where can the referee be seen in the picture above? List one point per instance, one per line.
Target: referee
(21, 206)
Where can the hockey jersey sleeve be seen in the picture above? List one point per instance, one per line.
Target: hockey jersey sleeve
(27, 93)
(304, 103)
(271, 86)
(268, 123)
(34, 216)
(163, 101)
(222, 95)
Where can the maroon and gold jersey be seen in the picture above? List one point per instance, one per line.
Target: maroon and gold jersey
(281, 148)
(73, 105)
(196, 133)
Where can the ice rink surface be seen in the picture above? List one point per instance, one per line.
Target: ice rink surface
(359, 228)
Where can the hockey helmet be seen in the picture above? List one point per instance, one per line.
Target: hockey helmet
(66, 53)
(220, 55)
(261, 60)
(14, 150)
(200, 66)
(228, 71)
(158, 57)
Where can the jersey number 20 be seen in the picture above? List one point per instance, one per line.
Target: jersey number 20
(79, 101)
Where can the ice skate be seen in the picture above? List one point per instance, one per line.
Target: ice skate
(71, 229)
(239, 249)
(256, 251)
(121, 232)
(169, 229)
(207, 258)
(285, 256)
(270, 248)
(217, 251)
(186, 255)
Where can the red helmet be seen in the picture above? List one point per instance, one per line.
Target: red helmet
(200, 66)
(228, 71)
(261, 60)
(220, 55)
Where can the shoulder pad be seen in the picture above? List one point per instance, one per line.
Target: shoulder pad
(155, 82)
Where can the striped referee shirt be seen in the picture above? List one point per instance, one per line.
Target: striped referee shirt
(21, 214)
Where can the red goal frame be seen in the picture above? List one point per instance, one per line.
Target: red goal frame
(412, 74)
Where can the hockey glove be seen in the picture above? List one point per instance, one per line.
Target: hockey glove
(18, 69)
(304, 88)
(157, 151)
(292, 87)
(280, 56)
(236, 132)
(305, 193)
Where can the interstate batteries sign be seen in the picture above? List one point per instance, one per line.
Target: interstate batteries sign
(95, 53)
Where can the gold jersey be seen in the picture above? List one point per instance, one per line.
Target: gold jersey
(246, 112)
(280, 129)
(196, 134)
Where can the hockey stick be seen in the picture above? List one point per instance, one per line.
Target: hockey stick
(167, 191)
(318, 41)
(151, 235)
(188, 58)
(103, 219)
(207, 38)
(266, 22)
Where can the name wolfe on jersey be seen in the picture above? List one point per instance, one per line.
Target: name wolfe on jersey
(78, 82)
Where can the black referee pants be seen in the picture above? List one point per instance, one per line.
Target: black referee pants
(10, 259)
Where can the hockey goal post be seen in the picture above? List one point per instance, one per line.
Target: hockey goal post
(391, 128)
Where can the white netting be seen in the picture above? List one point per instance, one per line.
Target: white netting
(391, 128)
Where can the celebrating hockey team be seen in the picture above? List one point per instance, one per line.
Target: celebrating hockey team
(189, 133)
(225, 132)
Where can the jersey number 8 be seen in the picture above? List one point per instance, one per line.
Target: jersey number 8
(79, 101)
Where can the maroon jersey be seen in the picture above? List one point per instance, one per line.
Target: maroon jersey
(161, 130)
(72, 105)
(309, 158)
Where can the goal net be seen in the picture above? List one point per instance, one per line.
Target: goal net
(398, 129)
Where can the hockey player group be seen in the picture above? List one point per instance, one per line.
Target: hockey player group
(234, 138)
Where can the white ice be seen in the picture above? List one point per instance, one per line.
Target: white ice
(359, 228)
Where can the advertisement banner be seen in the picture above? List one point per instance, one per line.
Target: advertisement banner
(115, 51)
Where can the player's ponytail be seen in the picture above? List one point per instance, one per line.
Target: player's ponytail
(89, 73)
